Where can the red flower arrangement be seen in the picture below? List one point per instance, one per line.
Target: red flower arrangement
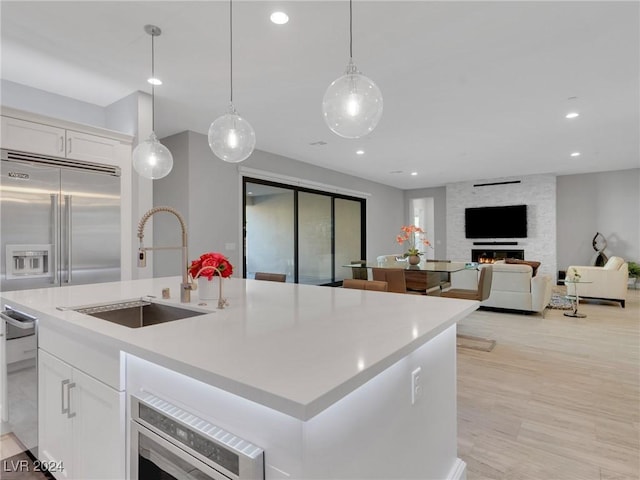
(209, 265)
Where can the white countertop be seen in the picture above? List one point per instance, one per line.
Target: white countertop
(294, 348)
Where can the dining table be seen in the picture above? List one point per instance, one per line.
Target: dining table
(424, 265)
(421, 277)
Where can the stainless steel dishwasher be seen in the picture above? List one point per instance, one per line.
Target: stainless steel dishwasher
(20, 377)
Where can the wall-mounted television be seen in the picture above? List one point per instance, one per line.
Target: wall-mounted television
(496, 222)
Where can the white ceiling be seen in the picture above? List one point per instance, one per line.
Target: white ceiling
(472, 90)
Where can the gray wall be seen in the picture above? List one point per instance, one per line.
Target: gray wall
(208, 192)
(172, 190)
(385, 205)
(606, 202)
(439, 195)
(21, 97)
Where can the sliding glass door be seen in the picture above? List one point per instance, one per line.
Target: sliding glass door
(307, 234)
(269, 230)
(349, 236)
(314, 239)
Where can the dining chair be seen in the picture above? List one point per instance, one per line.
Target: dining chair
(365, 284)
(481, 293)
(393, 276)
(389, 259)
(271, 277)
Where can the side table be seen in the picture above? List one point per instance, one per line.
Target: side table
(574, 298)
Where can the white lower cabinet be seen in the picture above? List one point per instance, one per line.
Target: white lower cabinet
(81, 422)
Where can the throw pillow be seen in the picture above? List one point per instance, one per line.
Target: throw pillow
(533, 264)
(614, 263)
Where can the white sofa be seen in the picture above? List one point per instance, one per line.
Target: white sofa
(513, 287)
(608, 282)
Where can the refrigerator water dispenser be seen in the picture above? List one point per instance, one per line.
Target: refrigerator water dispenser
(28, 261)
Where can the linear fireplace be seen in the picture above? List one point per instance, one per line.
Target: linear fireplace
(487, 255)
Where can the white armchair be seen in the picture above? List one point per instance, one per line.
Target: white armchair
(514, 287)
(607, 283)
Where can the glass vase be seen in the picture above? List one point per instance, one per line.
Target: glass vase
(208, 289)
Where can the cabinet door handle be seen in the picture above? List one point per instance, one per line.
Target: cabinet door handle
(69, 387)
(61, 144)
(69, 145)
(63, 383)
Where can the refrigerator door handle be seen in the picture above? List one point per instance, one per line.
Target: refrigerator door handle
(55, 235)
(67, 208)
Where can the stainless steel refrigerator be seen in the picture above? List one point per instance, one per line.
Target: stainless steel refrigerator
(59, 225)
(60, 222)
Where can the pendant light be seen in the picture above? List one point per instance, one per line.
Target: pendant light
(151, 159)
(352, 105)
(231, 137)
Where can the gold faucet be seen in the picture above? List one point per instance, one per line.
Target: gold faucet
(186, 286)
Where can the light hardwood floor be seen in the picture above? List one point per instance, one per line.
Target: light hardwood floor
(557, 398)
(9, 446)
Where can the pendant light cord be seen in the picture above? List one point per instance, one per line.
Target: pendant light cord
(231, 51)
(350, 30)
(153, 87)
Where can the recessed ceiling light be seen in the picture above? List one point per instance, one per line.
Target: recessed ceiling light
(154, 81)
(359, 152)
(414, 173)
(575, 154)
(572, 115)
(279, 18)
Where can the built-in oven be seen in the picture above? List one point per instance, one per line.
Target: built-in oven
(19, 371)
(168, 442)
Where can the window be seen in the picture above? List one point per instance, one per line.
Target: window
(307, 234)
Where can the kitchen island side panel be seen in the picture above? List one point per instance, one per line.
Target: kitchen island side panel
(377, 432)
(373, 432)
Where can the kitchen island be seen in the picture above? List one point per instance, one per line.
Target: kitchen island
(330, 382)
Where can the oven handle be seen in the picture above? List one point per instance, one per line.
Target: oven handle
(17, 323)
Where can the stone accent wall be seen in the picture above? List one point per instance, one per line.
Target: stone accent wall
(538, 192)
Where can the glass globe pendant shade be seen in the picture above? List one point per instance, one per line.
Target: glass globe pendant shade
(231, 137)
(352, 105)
(151, 159)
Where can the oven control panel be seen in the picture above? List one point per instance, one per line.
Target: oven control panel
(221, 449)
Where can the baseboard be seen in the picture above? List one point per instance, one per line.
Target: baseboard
(459, 471)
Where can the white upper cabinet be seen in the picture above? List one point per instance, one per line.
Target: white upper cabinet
(33, 137)
(82, 146)
(43, 139)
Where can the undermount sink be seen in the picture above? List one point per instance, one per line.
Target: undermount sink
(138, 313)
